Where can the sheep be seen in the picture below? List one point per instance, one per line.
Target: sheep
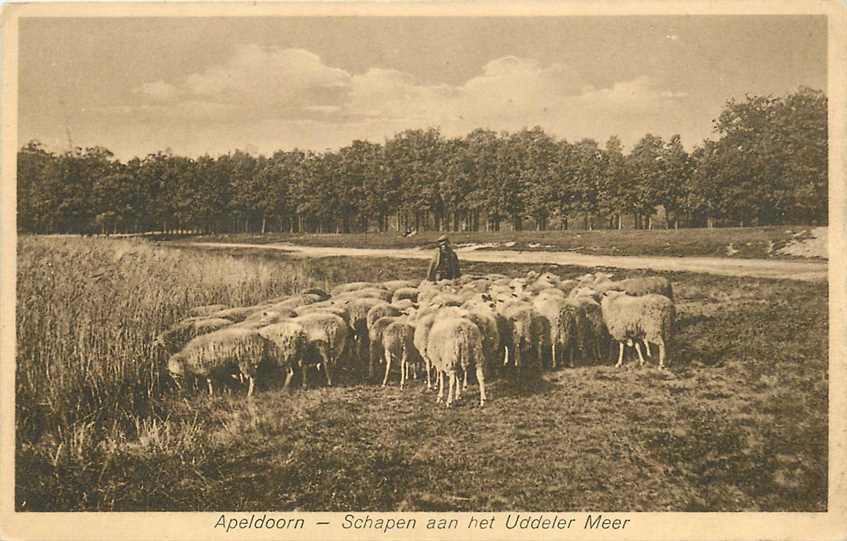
(591, 330)
(375, 339)
(562, 316)
(264, 318)
(551, 292)
(529, 332)
(292, 303)
(638, 287)
(394, 285)
(649, 318)
(238, 314)
(403, 304)
(456, 343)
(566, 286)
(447, 299)
(358, 308)
(326, 334)
(484, 317)
(405, 293)
(317, 292)
(287, 347)
(325, 307)
(398, 343)
(220, 353)
(381, 310)
(423, 325)
(207, 310)
(368, 292)
(352, 286)
(542, 282)
(179, 334)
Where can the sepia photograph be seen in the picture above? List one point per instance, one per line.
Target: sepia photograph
(555, 270)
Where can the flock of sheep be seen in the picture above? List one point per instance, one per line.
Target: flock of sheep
(485, 323)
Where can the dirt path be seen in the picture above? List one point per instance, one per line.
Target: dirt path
(757, 268)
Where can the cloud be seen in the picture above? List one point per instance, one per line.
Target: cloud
(290, 86)
(158, 91)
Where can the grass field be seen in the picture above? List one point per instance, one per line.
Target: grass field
(739, 422)
(748, 242)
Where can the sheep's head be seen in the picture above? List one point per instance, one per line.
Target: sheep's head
(549, 277)
(612, 294)
(602, 277)
(176, 365)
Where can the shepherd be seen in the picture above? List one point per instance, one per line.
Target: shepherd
(445, 263)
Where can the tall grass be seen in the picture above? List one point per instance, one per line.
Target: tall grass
(87, 313)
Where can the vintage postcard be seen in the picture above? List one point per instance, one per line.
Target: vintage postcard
(545, 270)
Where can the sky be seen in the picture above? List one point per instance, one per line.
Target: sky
(212, 85)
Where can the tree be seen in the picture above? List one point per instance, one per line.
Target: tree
(32, 160)
(620, 195)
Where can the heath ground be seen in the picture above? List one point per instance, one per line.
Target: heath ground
(738, 422)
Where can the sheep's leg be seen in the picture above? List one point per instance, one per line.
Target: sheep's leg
(506, 358)
(480, 376)
(647, 348)
(325, 362)
(404, 367)
(452, 382)
(620, 355)
(209, 383)
(428, 385)
(250, 385)
(662, 353)
(518, 353)
(387, 367)
(554, 362)
(640, 357)
(289, 375)
(465, 383)
(571, 353)
(440, 376)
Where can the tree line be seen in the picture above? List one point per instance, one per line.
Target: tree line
(766, 165)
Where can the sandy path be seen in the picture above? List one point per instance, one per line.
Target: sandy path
(757, 268)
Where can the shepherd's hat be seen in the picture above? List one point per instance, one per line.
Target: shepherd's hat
(443, 238)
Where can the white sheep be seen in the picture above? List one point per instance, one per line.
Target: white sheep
(358, 309)
(423, 323)
(239, 313)
(649, 318)
(221, 353)
(352, 286)
(379, 311)
(178, 335)
(326, 334)
(266, 317)
(287, 347)
(367, 292)
(529, 332)
(375, 340)
(207, 310)
(455, 343)
(398, 343)
(394, 285)
(636, 287)
(402, 293)
(562, 316)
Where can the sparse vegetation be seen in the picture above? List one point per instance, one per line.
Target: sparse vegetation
(748, 242)
(738, 422)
